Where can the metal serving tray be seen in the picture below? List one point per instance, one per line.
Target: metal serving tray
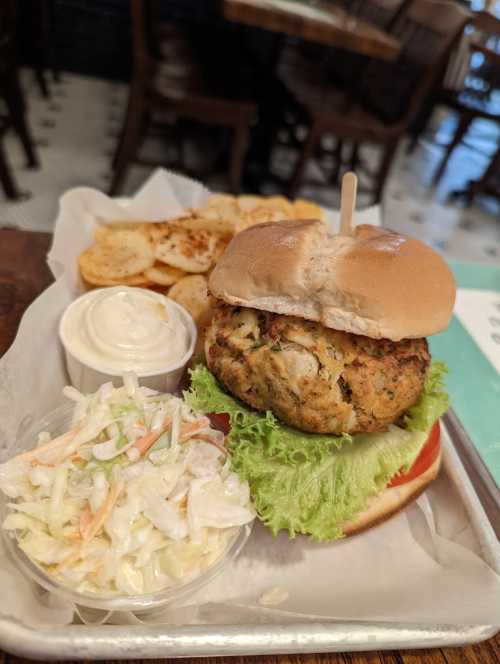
(157, 641)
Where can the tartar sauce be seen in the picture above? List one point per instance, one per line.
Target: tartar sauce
(125, 329)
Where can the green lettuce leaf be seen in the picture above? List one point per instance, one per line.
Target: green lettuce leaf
(312, 484)
(433, 402)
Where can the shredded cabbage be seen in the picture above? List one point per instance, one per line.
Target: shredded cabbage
(137, 496)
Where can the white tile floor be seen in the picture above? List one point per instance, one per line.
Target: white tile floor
(76, 132)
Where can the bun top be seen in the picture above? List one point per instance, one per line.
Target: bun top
(373, 282)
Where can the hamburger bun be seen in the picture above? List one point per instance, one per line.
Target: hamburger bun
(392, 500)
(374, 282)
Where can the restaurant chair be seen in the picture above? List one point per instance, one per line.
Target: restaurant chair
(7, 179)
(381, 13)
(381, 104)
(342, 65)
(40, 29)
(477, 103)
(483, 31)
(195, 87)
(14, 115)
(488, 184)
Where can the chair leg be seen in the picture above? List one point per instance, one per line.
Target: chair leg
(334, 179)
(41, 81)
(129, 144)
(121, 137)
(15, 104)
(6, 178)
(307, 152)
(463, 126)
(420, 123)
(135, 94)
(354, 158)
(385, 166)
(237, 158)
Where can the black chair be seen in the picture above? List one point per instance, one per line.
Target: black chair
(172, 76)
(379, 109)
(477, 103)
(11, 93)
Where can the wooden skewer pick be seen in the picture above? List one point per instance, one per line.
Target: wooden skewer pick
(347, 202)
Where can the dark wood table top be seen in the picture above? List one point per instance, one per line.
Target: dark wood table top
(322, 23)
(23, 276)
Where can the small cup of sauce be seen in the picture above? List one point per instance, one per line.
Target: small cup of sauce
(109, 331)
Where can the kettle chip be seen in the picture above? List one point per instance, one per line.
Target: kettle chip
(192, 293)
(164, 275)
(122, 253)
(138, 280)
(191, 251)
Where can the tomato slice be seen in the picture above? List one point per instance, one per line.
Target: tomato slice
(220, 421)
(425, 459)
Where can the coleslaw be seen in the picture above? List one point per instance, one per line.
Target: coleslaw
(136, 497)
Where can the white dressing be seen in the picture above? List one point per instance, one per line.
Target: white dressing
(123, 329)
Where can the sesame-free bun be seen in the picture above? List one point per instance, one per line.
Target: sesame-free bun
(374, 282)
(392, 500)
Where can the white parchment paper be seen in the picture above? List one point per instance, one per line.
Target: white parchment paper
(426, 565)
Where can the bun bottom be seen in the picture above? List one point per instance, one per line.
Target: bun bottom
(392, 500)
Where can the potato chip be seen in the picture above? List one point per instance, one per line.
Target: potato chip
(307, 210)
(220, 247)
(164, 275)
(211, 224)
(103, 231)
(224, 209)
(138, 280)
(192, 293)
(118, 254)
(191, 251)
(221, 202)
(248, 203)
(260, 210)
(281, 205)
(159, 231)
(262, 215)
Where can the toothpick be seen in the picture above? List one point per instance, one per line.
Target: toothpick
(347, 202)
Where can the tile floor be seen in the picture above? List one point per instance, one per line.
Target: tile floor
(76, 131)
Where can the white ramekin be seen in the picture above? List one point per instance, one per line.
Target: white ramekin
(88, 378)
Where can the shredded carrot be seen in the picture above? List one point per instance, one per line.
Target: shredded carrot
(145, 442)
(85, 521)
(69, 560)
(51, 445)
(104, 511)
(189, 430)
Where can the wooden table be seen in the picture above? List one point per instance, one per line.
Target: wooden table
(322, 23)
(23, 275)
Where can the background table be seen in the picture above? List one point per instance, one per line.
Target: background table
(23, 276)
(322, 23)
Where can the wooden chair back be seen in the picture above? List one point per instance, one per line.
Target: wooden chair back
(486, 23)
(142, 50)
(381, 13)
(427, 30)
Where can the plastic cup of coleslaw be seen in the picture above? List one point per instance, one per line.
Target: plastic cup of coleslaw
(56, 423)
(108, 331)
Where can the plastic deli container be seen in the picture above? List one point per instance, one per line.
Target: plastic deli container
(56, 423)
(87, 376)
